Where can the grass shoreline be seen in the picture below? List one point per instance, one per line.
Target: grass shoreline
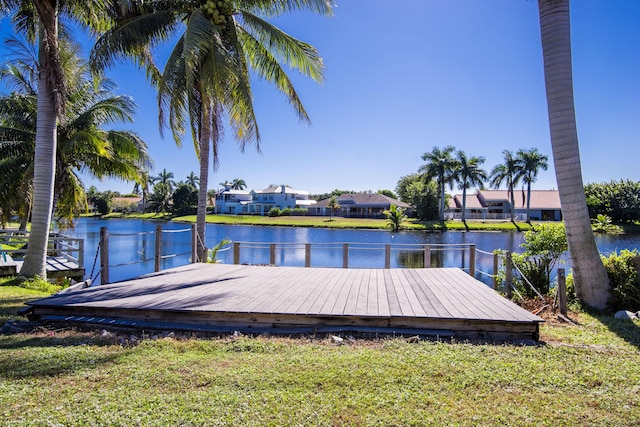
(335, 222)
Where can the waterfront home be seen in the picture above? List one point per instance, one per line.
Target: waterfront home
(260, 202)
(360, 205)
(496, 204)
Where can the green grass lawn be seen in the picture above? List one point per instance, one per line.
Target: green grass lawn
(355, 223)
(579, 376)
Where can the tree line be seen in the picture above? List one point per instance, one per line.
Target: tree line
(425, 190)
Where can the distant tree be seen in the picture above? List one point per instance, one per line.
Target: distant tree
(238, 184)
(332, 204)
(509, 173)
(619, 200)
(185, 199)
(421, 195)
(160, 198)
(468, 174)
(395, 217)
(193, 180)
(531, 161)
(440, 166)
(165, 178)
(388, 193)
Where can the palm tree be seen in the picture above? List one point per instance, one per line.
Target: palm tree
(238, 184)
(509, 173)
(193, 180)
(165, 177)
(332, 205)
(82, 144)
(468, 174)
(395, 217)
(207, 74)
(590, 278)
(441, 166)
(38, 20)
(531, 161)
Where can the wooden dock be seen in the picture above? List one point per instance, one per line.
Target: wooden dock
(219, 297)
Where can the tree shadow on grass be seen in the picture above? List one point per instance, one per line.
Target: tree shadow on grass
(628, 330)
(45, 356)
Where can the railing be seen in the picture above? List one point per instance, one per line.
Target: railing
(103, 251)
(463, 255)
(381, 250)
(14, 243)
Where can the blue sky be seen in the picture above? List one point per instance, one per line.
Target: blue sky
(403, 77)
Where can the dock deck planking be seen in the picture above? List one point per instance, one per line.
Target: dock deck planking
(429, 297)
(276, 297)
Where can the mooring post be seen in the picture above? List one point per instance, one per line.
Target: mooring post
(496, 265)
(104, 255)
(194, 245)
(307, 254)
(387, 256)
(427, 256)
(272, 254)
(472, 259)
(345, 255)
(236, 252)
(158, 251)
(508, 274)
(562, 292)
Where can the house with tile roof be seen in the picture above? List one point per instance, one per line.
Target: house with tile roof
(359, 205)
(496, 204)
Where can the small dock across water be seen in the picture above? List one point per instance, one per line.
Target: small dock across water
(220, 297)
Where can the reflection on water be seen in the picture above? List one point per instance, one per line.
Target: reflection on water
(132, 246)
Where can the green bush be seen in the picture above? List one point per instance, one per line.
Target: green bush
(275, 211)
(622, 269)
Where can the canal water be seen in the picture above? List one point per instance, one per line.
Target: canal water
(132, 243)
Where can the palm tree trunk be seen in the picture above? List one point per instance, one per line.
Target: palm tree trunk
(529, 201)
(591, 281)
(43, 174)
(201, 216)
(513, 203)
(442, 200)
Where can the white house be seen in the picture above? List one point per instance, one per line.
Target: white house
(260, 202)
(231, 201)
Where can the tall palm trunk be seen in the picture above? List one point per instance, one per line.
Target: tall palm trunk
(442, 195)
(201, 216)
(590, 277)
(44, 168)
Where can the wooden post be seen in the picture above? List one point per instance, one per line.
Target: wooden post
(236, 252)
(508, 275)
(472, 260)
(194, 245)
(345, 255)
(307, 254)
(427, 256)
(387, 256)
(272, 254)
(104, 255)
(562, 291)
(81, 253)
(158, 251)
(496, 266)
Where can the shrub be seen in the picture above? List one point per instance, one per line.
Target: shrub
(275, 211)
(543, 248)
(622, 269)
